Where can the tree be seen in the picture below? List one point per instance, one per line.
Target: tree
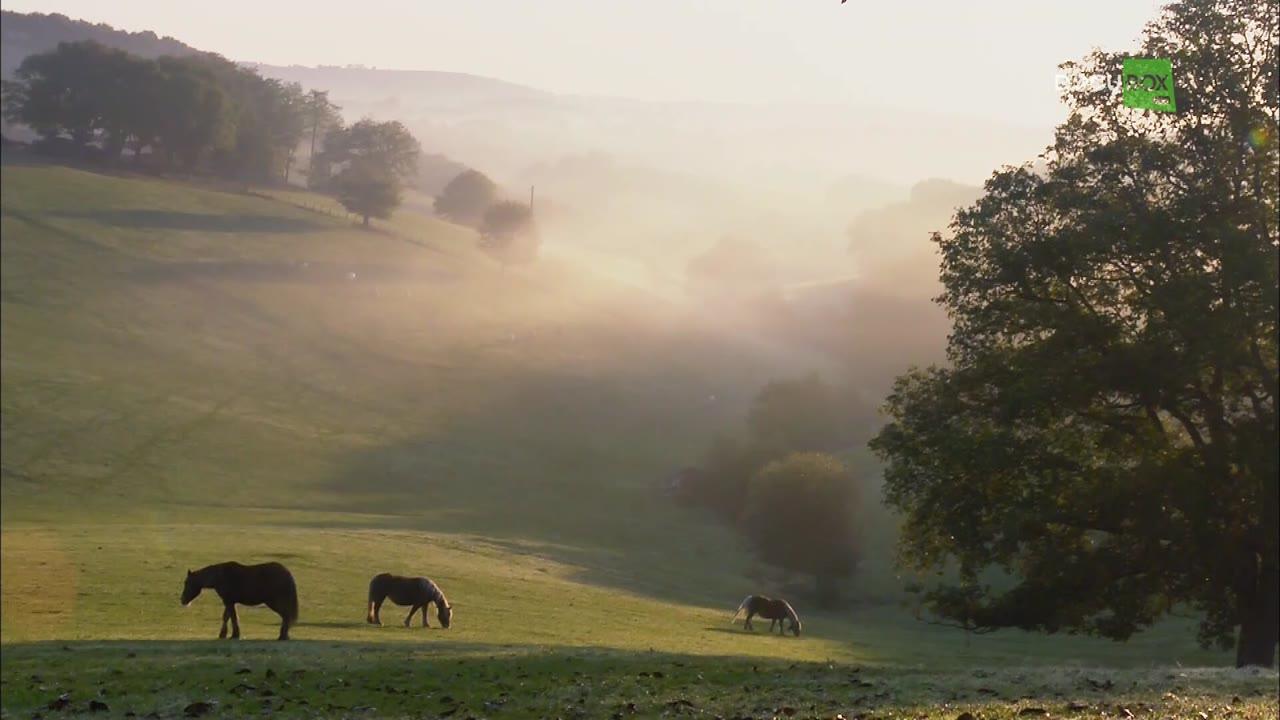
(375, 159)
(322, 116)
(64, 90)
(466, 197)
(727, 470)
(799, 514)
(507, 231)
(804, 414)
(194, 114)
(800, 415)
(368, 191)
(1105, 431)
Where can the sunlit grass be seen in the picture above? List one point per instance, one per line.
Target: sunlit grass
(192, 376)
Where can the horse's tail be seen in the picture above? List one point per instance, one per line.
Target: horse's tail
(291, 602)
(745, 600)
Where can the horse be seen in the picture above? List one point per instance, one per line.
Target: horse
(269, 584)
(777, 611)
(416, 592)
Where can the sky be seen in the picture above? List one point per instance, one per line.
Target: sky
(981, 58)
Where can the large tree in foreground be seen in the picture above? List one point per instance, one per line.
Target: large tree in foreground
(1105, 432)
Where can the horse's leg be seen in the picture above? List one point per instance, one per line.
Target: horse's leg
(374, 606)
(771, 624)
(746, 624)
(409, 618)
(424, 615)
(235, 621)
(226, 616)
(284, 626)
(377, 612)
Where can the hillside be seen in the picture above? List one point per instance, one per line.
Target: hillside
(23, 34)
(191, 376)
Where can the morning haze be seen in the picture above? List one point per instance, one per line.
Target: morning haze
(479, 359)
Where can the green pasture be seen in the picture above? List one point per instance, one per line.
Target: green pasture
(192, 375)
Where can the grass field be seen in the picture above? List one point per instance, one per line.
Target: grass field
(191, 376)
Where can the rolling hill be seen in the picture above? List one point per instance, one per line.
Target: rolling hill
(192, 375)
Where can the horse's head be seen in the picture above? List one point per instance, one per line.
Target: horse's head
(795, 625)
(190, 589)
(444, 613)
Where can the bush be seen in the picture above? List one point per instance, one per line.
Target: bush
(466, 197)
(799, 514)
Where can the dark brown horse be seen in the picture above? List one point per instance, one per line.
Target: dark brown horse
(775, 611)
(268, 584)
(416, 592)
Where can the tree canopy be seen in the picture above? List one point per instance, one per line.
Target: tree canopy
(374, 159)
(466, 198)
(507, 231)
(1105, 431)
(799, 514)
(198, 111)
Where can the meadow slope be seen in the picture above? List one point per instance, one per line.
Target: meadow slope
(193, 375)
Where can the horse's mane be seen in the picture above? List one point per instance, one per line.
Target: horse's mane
(791, 612)
(210, 572)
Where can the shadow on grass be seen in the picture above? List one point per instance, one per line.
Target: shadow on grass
(346, 679)
(203, 222)
(547, 468)
(729, 630)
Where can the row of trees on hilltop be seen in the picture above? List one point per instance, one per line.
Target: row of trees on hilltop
(203, 113)
(193, 113)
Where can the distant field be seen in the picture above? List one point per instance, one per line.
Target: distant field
(191, 376)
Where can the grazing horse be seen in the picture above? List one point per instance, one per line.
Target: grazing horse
(416, 592)
(268, 584)
(776, 611)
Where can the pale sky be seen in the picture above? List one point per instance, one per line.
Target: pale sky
(987, 58)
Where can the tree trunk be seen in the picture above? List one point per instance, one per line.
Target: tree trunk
(1259, 597)
(1259, 608)
(1256, 644)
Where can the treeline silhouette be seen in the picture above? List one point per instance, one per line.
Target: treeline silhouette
(197, 113)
